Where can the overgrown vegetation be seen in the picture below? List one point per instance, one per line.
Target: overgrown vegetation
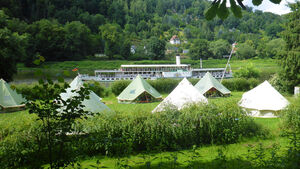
(123, 133)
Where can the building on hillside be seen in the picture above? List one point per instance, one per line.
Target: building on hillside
(175, 40)
(133, 49)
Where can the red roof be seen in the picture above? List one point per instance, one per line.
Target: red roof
(174, 37)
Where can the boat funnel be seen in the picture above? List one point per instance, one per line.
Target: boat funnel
(177, 60)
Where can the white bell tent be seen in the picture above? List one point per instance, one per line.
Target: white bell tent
(93, 104)
(184, 94)
(263, 101)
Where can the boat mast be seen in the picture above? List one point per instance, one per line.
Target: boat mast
(232, 51)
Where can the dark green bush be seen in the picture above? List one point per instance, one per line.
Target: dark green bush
(240, 84)
(118, 86)
(291, 116)
(247, 72)
(198, 125)
(164, 85)
(98, 88)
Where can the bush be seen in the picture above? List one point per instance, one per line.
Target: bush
(118, 86)
(198, 125)
(19, 140)
(247, 72)
(240, 84)
(164, 85)
(291, 116)
(277, 83)
(98, 88)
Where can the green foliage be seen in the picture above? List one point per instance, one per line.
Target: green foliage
(78, 40)
(118, 86)
(60, 31)
(219, 48)
(123, 133)
(47, 39)
(164, 85)
(98, 88)
(200, 49)
(245, 51)
(291, 60)
(155, 48)
(275, 48)
(248, 71)
(11, 49)
(240, 84)
(291, 116)
(57, 117)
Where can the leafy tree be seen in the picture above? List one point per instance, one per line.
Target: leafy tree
(156, 48)
(111, 34)
(275, 48)
(200, 49)
(245, 51)
(219, 48)
(11, 49)
(125, 48)
(247, 72)
(291, 60)
(46, 38)
(78, 40)
(92, 21)
(273, 29)
(58, 118)
(117, 13)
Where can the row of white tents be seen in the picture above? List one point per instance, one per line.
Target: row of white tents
(261, 101)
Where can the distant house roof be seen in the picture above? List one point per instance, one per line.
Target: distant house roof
(174, 37)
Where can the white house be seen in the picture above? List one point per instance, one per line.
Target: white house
(175, 40)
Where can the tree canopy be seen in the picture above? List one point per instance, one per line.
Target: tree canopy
(291, 60)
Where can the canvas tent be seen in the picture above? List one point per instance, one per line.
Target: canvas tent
(139, 91)
(263, 101)
(184, 94)
(9, 98)
(93, 104)
(209, 86)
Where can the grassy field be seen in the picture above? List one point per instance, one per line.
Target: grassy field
(204, 156)
(266, 66)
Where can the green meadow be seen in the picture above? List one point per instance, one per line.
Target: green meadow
(205, 156)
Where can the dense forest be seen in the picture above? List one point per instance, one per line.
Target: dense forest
(132, 30)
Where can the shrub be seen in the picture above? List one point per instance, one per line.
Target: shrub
(19, 141)
(240, 84)
(291, 116)
(164, 85)
(118, 86)
(277, 83)
(98, 88)
(247, 72)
